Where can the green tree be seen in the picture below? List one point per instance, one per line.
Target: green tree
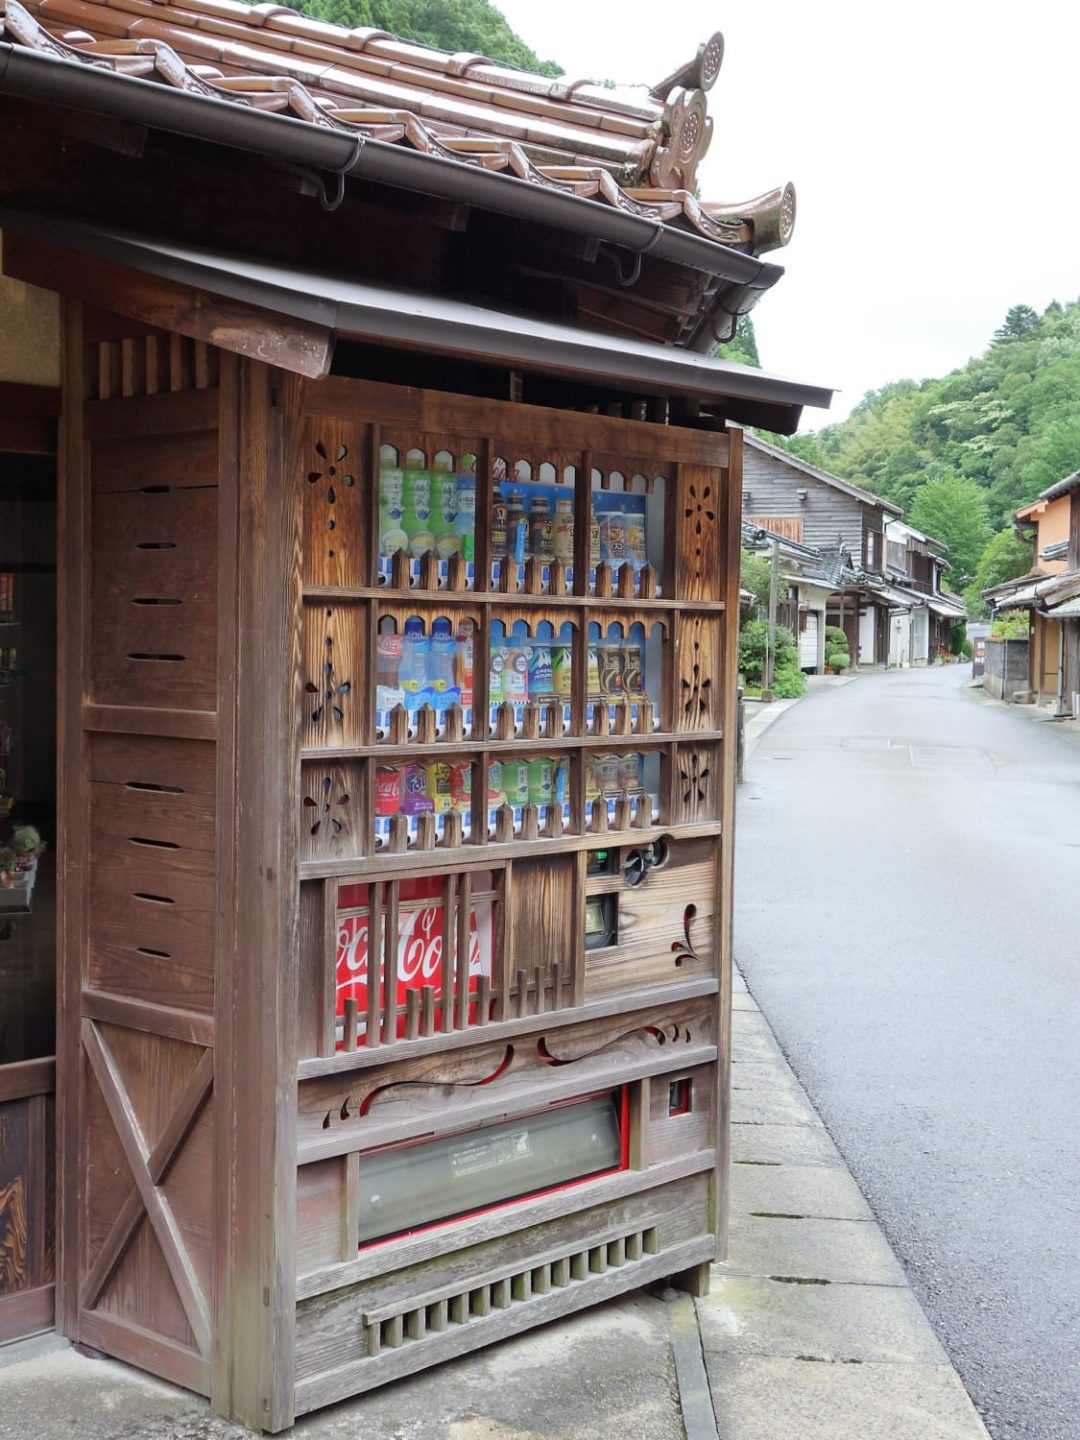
(1011, 625)
(1021, 321)
(953, 509)
(457, 25)
(1054, 454)
(1006, 556)
(755, 574)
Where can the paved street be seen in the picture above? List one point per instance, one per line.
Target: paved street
(908, 918)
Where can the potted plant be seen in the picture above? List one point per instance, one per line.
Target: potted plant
(27, 845)
(8, 863)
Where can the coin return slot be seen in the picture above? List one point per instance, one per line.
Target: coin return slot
(148, 655)
(601, 921)
(147, 785)
(153, 899)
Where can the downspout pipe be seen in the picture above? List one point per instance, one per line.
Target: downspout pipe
(336, 153)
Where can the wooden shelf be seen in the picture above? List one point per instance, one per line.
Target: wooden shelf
(360, 868)
(417, 596)
(467, 747)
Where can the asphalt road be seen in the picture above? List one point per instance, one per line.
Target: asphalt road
(908, 918)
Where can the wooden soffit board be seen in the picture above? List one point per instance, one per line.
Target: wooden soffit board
(302, 346)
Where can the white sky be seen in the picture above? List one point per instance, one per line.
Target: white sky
(932, 148)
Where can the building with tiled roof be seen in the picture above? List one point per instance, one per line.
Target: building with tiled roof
(663, 266)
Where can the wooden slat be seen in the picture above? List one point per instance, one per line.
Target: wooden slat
(145, 1349)
(25, 1078)
(73, 819)
(258, 942)
(372, 1036)
(147, 415)
(530, 425)
(137, 720)
(363, 1375)
(164, 1020)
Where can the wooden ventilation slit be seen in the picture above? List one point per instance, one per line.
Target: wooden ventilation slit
(155, 545)
(157, 954)
(154, 655)
(153, 899)
(156, 844)
(155, 489)
(153, 600)
(159, 789)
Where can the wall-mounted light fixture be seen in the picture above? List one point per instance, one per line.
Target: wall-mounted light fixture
(802, 494)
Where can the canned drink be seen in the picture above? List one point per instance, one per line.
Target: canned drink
(461, 785)
(387, 790)
(593, 690)
(630, 774)
(439, 787)
(610, 662)
(612, 522)
(562, 670)
(497, 676)
(540, 781)
(541, 680)
(516, 675)
(415, 798)
(633, 674)
(560, 781)
(607, 776)
(516, 781)
(496, 793)
(592, 779)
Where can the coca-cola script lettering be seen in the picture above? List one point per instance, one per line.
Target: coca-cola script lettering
(419, 951)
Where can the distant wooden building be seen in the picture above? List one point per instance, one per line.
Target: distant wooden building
(396, 585)
(1050, 593)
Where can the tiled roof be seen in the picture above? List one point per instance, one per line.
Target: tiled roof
(638, 151)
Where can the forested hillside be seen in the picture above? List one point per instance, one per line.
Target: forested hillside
(960, 454)
(465, 25)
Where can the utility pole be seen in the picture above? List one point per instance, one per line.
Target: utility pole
(770, 644)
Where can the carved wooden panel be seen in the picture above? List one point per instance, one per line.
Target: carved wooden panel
(334, 675)
(697, 784)
(700, 690)
(656, 941)
(336, 483)
(15, 1200)
(331, 811)
(698, 511)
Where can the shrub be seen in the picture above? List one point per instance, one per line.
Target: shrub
(753, 640)
(835, 639)
(753, 637)
(839, 660)
(957, 636)
(1011, 625)
(968, 650)
(788, 682)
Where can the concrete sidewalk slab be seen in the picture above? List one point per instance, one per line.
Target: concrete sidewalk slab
(763, 1398)
(806, 1191)
(747, 1315)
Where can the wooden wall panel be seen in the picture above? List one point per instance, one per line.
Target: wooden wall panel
(15, 1199)
(698, 530)
(338, 481)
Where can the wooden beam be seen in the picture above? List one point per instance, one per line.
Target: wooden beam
(258, 886)
(295, 345)
(25, 1078)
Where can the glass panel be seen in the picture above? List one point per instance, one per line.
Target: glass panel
(27, 757)
(412, 1186)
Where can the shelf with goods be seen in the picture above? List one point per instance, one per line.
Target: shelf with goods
(486, 678)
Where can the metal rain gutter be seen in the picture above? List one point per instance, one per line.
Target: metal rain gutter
(93, 87)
